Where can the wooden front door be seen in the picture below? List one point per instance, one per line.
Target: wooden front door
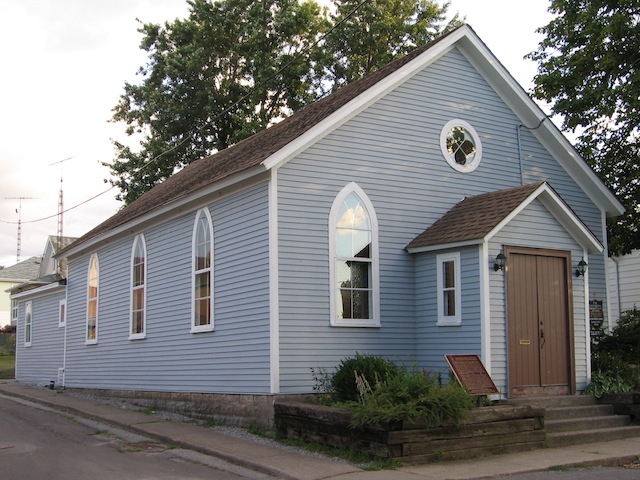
(539, 322)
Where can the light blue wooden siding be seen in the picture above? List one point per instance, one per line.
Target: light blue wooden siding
(433, 341)
(39, 363)
(534, 227)
(234, 358)
(392, 151)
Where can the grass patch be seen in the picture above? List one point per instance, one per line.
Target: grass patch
(560, 468)
(7, 367)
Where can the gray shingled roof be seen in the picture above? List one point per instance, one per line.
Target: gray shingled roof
(248, 153)
(26, 270)
(474, 217)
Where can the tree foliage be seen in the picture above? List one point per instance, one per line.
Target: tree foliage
(377, 32)
(197, 94)
(588, 70)
(235, 66)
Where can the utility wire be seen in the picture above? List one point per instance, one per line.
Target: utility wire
(190, 135)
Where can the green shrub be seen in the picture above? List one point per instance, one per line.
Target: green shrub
(412, 395)
(373, 369)
(615, 358)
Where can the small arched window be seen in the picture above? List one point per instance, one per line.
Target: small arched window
(138, 288)
(353, 250)
(202, 316)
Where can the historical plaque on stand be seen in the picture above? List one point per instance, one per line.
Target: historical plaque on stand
(471, 374)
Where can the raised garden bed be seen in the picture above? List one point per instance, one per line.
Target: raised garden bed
(487, 431)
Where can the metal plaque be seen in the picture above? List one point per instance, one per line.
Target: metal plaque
(471, 374)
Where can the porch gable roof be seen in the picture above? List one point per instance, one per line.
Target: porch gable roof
(477, 219)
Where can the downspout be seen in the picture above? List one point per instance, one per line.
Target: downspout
(64, 347)
(520, 154)
(619, 297)
(519, 140)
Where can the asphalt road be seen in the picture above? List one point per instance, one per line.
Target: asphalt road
(40, 443)
(595, 473)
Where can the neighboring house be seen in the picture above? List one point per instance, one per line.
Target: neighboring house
(624, 278)
(371, 221)
(10, 277)
(47, 285)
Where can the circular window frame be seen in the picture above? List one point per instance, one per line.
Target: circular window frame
(471, 166)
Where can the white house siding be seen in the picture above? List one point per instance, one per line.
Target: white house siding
(624, 279)
(433, 341)
(39, 363)
(392, 151)
(534, 227)
(234, 358)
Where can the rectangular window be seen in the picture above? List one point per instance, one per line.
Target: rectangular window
(14, 312)
(449, 293)
(28, 325)
(62, 313)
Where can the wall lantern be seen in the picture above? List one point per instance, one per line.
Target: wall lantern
(501, 261)
(581, 269)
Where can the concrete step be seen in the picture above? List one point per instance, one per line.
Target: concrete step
(586, 423)
(564, 439)
(583, 411)
(555, 401)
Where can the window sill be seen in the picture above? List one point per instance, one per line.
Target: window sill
(202, 328)
(356, 323)
(91, 342)
(449, 322)
(138, 336)
(27, 344)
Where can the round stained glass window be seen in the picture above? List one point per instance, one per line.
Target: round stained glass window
(461, 146)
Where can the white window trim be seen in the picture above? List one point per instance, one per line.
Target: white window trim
(375, 261)
(142, 335)
(28, 312)
(449, 320)
(62, 314)
(201, 328)
(92, 341)
(476, 140)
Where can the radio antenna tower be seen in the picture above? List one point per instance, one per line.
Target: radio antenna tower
(60, 204)
(19, 212)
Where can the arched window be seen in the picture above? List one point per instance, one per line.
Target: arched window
(202, 316)
(353, 250)
(92, 300)
(138, 288)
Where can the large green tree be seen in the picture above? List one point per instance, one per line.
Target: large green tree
(588, 71)
(217, 76)
(198, 93)
(377, 32)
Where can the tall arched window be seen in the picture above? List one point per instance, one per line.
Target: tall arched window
(92, 300)
(202, 316)
(138, 288)
(353, 250)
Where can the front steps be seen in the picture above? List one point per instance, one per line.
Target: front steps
(577, 419)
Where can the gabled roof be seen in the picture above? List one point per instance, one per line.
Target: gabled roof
(21, 272)
(477, 219)
(279, 143)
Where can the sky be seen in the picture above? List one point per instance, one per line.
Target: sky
(63, 66)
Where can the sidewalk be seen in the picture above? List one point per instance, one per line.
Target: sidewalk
(283, 463)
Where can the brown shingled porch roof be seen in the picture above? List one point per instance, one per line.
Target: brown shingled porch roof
(474, 217)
